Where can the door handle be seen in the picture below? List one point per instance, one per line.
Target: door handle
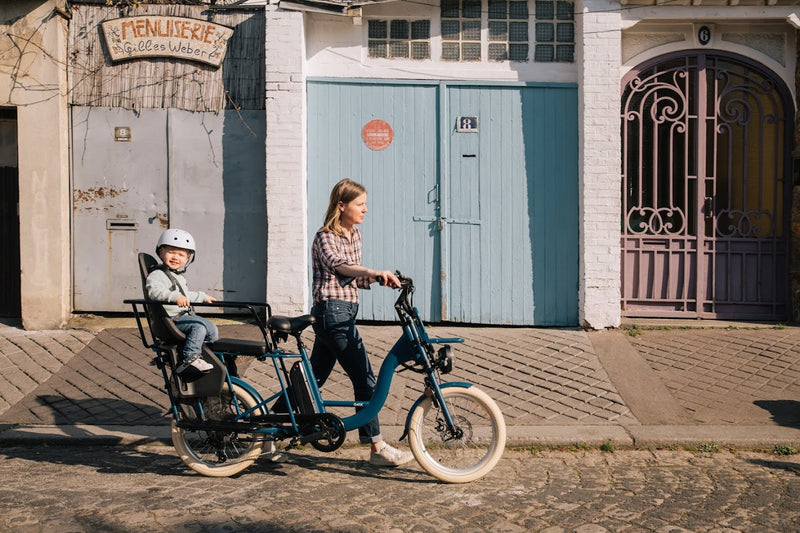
(433, 195)
(161, 217)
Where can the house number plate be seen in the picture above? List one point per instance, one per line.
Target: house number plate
(468, 124)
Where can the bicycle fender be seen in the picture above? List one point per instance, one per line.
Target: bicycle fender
(249, 388)
(462, 384)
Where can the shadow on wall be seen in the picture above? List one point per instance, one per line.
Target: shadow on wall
(244, 198)
(244, 165)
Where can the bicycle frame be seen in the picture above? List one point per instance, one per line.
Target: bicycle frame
(414, 347)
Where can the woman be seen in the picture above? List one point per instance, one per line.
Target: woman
(338, 274)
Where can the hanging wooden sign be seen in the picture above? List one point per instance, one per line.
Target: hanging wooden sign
(161, 36)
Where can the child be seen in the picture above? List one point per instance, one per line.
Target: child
(166, 283)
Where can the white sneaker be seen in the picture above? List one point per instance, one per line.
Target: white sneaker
(273, 455)
(196, 362)
(201, 365)
(388, 456)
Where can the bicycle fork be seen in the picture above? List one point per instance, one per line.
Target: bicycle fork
(446, 424)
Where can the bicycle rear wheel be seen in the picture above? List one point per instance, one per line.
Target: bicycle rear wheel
(218, 453)
(472, 450)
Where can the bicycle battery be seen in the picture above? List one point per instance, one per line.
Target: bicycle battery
(300, 391)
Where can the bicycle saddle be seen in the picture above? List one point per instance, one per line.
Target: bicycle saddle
(290, 325)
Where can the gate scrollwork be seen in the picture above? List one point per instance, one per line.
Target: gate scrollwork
(662, 98)
(738, 223)
(655, 221)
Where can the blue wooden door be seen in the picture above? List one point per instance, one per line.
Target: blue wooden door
(511, 233)
(482, 213)
(400, 179)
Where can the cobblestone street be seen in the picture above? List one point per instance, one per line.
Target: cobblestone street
(119, 489)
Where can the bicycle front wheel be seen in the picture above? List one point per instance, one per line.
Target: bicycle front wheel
(471, 449)
(218, 453)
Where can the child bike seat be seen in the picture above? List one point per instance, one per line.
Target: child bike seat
(165, 330)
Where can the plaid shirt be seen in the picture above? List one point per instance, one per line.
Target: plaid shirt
(328, 252)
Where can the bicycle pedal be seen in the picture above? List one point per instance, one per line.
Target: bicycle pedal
(293, 444)
(155, 361)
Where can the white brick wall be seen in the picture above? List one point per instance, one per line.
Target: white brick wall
(287, 246)
(598, 56)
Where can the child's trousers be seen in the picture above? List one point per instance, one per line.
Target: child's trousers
(197, 330)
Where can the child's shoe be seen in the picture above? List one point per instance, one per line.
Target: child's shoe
(196, 362)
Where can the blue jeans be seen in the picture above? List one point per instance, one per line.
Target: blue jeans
(197, 330)
(337, 339)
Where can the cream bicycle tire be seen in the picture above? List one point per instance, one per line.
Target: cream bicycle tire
(464, 459)
(195, 451)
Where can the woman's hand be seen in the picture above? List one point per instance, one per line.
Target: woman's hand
(386, 278)
(183, 301)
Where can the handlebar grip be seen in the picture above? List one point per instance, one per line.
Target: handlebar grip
(380, 279)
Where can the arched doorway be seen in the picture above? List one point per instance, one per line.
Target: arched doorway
(706, 180)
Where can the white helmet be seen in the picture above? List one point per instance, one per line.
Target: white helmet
(177, 238)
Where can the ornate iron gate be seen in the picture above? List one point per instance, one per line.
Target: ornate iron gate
(705, 200)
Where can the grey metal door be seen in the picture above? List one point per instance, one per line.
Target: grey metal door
(119, 201)
(705, 197)
(137, 173)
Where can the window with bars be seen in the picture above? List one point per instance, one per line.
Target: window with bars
(555, 31)
(399, 39)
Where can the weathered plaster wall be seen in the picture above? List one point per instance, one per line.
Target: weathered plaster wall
(32, 79)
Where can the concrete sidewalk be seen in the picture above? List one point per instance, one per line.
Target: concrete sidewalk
(727, 385)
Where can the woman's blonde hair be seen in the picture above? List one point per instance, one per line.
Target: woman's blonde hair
(345, 191)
